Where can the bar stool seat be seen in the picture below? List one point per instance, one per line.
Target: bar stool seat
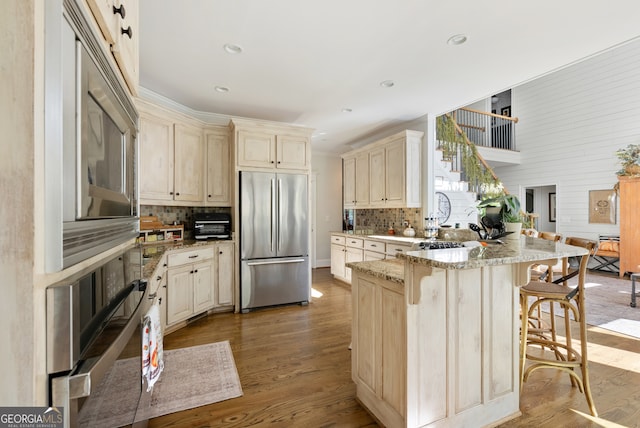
(556, 353)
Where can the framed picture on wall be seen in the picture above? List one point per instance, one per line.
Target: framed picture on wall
(602, 206)
(552, 207)
(506, 111)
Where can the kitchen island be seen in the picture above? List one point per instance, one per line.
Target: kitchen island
(435, 333)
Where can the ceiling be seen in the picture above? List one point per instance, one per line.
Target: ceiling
(304, 62)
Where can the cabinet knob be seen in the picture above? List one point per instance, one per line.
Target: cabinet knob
(209, 195)
(177, 193)
(220, 252)
(272, 162)
(127, 31)
(279, 162)
(158, 278)
(171, 193)
(119, 10)
(195, 271)
(160, 301)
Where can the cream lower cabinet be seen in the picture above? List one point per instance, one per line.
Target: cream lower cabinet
(338, 257)
(224, 283)
(345, 249)
(374, 250)
(378, 355)
(190, 283)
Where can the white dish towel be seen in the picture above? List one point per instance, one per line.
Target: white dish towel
(152, 354)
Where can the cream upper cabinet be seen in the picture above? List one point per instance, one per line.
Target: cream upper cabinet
(292, 152)
(259, 146)
(156, 158)
(218, 160)
(181, 162)
(356, 181)
(118, 24)
(256, 149)
(189, 164)
(393, 173)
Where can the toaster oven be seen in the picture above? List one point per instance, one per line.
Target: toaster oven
(212, 226)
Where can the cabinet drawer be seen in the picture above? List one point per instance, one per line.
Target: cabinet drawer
(394, 249)
(377, 246)
(192, 256)
(337, 239)
(355, 242)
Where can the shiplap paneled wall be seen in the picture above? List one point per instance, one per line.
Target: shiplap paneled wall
(571, 123)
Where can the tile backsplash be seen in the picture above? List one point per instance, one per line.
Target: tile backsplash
(379, 220)
(180, 215)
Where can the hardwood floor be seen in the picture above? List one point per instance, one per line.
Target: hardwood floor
(295, 369)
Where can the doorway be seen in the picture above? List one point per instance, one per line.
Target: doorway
(541, 201)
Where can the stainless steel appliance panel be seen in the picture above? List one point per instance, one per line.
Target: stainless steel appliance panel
(292, 221)
(270, 282)
(258, 215)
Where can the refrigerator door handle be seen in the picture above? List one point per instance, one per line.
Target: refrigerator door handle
(273, 213)
(279, 214)
(275, 262)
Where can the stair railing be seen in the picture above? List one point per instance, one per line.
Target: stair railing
(458, 149)
(487, 129)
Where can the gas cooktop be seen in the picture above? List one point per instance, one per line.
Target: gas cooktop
(436, 245)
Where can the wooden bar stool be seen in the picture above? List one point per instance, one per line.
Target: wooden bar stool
(554, 352)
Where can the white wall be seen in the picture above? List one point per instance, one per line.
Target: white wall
(327, 170)
(571, 123)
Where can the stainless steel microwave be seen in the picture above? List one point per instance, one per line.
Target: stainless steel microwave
(99, 174)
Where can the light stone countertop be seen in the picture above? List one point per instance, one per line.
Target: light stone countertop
(525, 249)
(390, 269)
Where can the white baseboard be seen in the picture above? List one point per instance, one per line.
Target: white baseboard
(320, 263)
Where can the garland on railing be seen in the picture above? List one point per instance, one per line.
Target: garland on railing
(454, 143)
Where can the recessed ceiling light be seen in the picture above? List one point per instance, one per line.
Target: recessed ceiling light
(221, 89)
(387, 83)
(346, 110)
(232, 49)
(458, 39)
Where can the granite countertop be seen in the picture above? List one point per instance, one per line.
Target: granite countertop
(524, 249)
(390, 269)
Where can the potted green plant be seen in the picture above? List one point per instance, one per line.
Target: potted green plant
(629, 158)
(508, 210)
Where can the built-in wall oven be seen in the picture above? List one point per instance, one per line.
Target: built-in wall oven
(93, 328)
(99, 208)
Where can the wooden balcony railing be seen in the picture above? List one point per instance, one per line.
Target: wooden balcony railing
(487, 129)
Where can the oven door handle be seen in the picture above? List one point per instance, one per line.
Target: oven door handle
(79, 385)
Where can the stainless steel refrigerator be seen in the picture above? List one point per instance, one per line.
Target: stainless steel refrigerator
(274, 240)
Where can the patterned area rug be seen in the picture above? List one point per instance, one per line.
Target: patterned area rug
(192, 377)
(608, 299)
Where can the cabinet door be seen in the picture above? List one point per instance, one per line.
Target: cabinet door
(395, 174)
(257, 149)
(125, 46)
(203, 293)
(338, 257)
(362, 180)
(292, 152)
(392, 337)
(218, 169)
(107, 20)
(366, 313)
(179, 294)
(376, 177)
(225, 283)
(189, 164)
(352, 255)
(349, 182)
(156, 158)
